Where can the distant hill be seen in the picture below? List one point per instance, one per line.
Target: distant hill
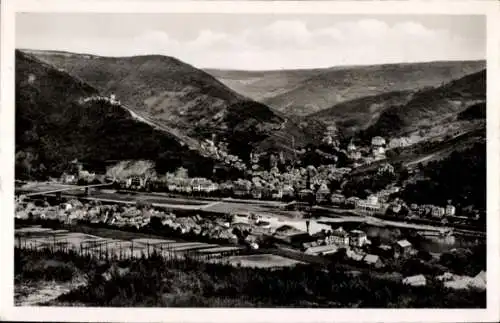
(168, 91)
(358, 114)
(475, 111)
(434, 107)
(260, 85)
(53, 126)
(304, 92)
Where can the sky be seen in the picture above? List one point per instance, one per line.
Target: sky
(258, 41)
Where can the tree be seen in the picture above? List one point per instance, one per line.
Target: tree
(24, 163)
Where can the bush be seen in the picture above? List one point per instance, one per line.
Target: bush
(159, 282)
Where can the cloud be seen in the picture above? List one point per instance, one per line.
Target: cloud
(293, 44)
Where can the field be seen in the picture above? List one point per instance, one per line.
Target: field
(262, 261)
(104, 243)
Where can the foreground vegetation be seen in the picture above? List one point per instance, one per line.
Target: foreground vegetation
(189, 283)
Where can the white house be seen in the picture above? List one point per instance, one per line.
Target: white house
(378, 152)
(378, 141)
(337, 198)
(338, 237)
(358, 238)
(370, 205)
(69, 179)
(372, 199)
(403, 247)
(322, 193)
(438, 212)
(450, 210)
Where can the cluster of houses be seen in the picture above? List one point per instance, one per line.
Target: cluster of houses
(67, 212)
(74, 210)
(374, 204)
(111, 99)
(304, 183)
(434, 211)
(339, 238)
(250, 229)
(381, 203)
(214, 229)
(355, 243)
(367, 155)
(190, 185)
(72, 178)
(121, 216)
(301, 183)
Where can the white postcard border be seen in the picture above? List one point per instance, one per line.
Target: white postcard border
(9, 312)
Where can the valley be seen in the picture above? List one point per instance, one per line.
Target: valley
(372, 169)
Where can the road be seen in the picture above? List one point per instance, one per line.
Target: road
(184, 140)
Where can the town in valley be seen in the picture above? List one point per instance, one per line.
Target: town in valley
(145, 181)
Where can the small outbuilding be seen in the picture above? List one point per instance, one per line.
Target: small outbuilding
(418, 280)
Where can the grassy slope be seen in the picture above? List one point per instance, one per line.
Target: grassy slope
(51, 123)
(332, 86)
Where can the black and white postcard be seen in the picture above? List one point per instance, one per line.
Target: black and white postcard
(250, 161)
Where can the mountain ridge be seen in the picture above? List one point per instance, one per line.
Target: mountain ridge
(434, 107)
(54, 126)
(309, 91)
(173, 94)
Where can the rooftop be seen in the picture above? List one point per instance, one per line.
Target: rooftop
(404, 243)
(371, 259)
(358, 232)
(288, 230)
(322, 249)
(414, 279)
